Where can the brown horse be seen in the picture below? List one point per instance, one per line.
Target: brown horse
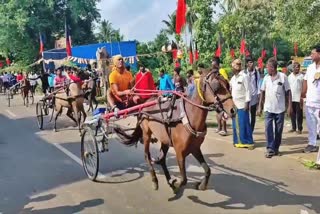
(90, 89)
(25, 88)
(73, 102)
(185, 135)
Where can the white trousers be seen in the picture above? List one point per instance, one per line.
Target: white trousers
(313, 122)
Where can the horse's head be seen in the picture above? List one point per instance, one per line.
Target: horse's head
(216, 93)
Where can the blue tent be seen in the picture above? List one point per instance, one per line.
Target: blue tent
(127, 49)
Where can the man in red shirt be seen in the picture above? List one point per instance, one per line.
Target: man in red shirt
(143, 81)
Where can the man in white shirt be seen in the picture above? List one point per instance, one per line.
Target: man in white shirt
(240, 89)
(295, 81)
(275, 91)
(254, 81)
(33, 81)
(311, 90)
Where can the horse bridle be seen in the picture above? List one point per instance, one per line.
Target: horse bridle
(218, 104)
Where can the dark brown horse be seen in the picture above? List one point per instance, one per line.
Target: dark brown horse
(25, 88)
(185, 135)
(90, 92)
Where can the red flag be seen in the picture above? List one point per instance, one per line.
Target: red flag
(248, 52)
(174, 54)
(196, 55)
(232, 54)
(260, 62)
(41, 43)
(218, 51)
(8, 61)
(275, 51)
(243, 46)
(1, 64)
(263, 53)
(181, 15)
(68, 45)
(296, 49)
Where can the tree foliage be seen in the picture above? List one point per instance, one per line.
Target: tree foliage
(21, 21)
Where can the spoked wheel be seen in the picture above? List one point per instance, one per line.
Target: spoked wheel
(90, 153)
(39, 115)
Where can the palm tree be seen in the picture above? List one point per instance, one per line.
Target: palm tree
(170, 24)
(117, 36)
(105, 31)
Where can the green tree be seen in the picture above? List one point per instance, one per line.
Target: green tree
(22, 21)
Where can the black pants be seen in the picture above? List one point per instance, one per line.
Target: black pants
(253, 112)
(297, 116)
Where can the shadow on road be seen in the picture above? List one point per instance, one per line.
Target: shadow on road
(31, 165)
(67, 209)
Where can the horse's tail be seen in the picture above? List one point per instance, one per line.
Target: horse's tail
(129, 139)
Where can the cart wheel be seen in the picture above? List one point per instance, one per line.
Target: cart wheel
(39, 115)
(90, 153)
(8, 97)
(46, 109)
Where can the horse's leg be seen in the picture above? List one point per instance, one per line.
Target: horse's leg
(84, 114)
(147, 156)
(181, 159)
(76, 113)
(69, 114)
(204, 182)
(56, 118)
(95, 101)
(163, 163)
(90, 103)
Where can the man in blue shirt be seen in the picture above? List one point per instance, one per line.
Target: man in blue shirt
(165, 82)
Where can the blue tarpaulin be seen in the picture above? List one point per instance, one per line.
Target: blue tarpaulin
(127, 49)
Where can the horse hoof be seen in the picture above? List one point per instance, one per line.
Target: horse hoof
(55, 130)
(155, 186)
(201, 186)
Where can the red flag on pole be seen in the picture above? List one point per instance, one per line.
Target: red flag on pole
(196, 54)
(275, 51)
(68, 45)
(8, 61)
(248, 52)
(243, 46)
(41, 43)
(174, 54)
(296, 49)
(232, 54)
(218, 51)
(260, 62)
(181, 15)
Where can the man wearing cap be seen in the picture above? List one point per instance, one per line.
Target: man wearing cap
(275, 91)
(240, 89)
(254, 80)
(120, 81)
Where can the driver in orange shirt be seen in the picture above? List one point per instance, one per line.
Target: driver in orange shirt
(120, 81)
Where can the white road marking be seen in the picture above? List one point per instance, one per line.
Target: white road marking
(11, 113)
(69, 154)
(75, 158)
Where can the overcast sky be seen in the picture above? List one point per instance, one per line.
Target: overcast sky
(137, 19)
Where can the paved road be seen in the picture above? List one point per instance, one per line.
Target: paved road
(41, 172)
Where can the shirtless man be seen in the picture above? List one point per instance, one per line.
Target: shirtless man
(120, 81)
